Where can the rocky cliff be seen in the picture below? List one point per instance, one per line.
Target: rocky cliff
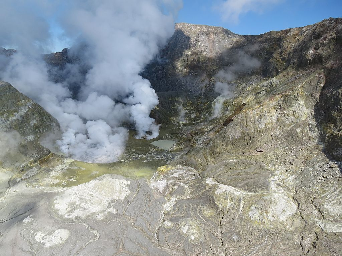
(256, 169)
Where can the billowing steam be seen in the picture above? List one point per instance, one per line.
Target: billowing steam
(114, 39)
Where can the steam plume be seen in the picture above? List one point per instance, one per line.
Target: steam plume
(115, 40)
(224, 78)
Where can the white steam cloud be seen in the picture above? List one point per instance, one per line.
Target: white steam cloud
(115, 40)
(231, 10)
(224, 79)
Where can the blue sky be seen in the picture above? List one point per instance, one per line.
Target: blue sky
(36, 20)
(246, 17)
(252, 17)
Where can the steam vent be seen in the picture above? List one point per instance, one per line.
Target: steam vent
(223, 144)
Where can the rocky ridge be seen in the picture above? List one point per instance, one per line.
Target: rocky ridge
(261, 177)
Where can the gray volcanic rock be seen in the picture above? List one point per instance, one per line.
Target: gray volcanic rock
(274, 153)
(329, 114)
(187, 69)
(20, 115)
(24, 125)
(259, 168)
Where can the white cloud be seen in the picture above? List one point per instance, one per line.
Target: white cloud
(231, 10)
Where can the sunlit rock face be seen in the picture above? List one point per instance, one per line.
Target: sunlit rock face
(24, 123)
(255, 168)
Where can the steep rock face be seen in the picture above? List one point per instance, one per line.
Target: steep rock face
(274, 152)
(190, 65)
(198, 62)
(29, 120)
(329, 114)
(270, 169)
(24, 125)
